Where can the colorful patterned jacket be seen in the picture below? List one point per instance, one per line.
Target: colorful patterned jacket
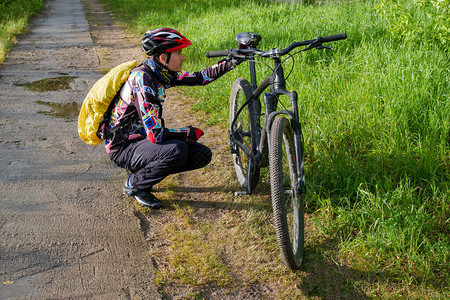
(138, 111)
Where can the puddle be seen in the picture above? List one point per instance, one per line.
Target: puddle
(49, 84)
(67, 111)
(59, 73)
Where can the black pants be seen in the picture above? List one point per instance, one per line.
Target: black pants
(149, 163)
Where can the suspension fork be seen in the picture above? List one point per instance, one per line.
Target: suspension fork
(279, 84)
(296, 126)
(293, 116)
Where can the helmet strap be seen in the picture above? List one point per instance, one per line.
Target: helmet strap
(169, 54)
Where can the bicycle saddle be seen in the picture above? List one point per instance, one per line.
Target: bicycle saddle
(248, 39)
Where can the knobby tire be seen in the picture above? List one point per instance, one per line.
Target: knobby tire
(287, 202)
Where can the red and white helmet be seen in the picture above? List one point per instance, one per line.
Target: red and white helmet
(163, 40)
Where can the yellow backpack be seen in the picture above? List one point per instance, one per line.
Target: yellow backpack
(99, 98)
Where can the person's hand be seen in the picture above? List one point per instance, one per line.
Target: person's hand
(236, 61)
(193, 133)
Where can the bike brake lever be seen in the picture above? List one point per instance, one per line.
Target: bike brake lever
(320, 47)
(314, 44)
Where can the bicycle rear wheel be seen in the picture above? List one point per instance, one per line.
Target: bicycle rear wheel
(287, 202)
(244, 129)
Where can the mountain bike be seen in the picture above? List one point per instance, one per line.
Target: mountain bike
(277, 142)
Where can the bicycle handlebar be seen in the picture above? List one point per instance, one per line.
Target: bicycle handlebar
(242, 53)
(332, 38)
(217, 53)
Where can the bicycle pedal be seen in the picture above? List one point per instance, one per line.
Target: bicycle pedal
(240, 193)
(233, 148)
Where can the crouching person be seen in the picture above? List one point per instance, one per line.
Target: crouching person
(140, 142)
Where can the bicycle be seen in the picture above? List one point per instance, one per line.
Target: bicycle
(278, 143)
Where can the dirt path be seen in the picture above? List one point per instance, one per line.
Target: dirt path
(66, 231)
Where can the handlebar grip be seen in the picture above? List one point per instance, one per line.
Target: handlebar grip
(217, 53)
(334, 37)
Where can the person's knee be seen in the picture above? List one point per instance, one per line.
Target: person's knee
(177, 154)
(203, 158)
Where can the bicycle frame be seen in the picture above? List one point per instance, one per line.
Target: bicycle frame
(277, 83)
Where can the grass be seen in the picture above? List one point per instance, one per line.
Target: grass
(375, 118)
(14, 17)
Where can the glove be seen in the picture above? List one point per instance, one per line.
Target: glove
(237, 61)
(234, 60)
(194, 134)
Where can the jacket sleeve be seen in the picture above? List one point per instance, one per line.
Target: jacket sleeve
(148, 102)
(202, 77)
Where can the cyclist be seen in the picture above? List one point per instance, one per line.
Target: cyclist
(142, 144)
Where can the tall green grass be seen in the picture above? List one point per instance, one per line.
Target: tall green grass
(375, 115)
(14, 16)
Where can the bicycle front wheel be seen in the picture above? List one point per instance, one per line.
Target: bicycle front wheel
(287, 202)
(244, 129)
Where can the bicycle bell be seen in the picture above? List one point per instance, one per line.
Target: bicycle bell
(248, 40)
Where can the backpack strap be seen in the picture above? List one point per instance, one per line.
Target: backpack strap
(104, 132)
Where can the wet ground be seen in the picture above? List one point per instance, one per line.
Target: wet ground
(66, 231)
